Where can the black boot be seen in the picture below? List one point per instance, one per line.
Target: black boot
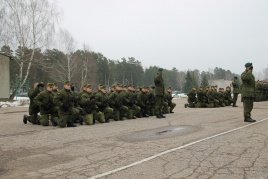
(25, 119)
(249, 120)
(162, 116)
(53, 122)
(71, 125)
(158, 116)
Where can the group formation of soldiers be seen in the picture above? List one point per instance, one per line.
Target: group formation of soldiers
(261, 91)
(210, 97)
(65, 107)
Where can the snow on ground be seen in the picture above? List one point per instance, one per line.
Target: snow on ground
(18, 101)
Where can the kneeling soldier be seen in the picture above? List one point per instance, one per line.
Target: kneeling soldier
(65, 102)
(45, 101)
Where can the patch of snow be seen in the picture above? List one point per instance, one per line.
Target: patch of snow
(19, 101)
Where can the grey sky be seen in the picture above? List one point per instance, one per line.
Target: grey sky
(186, 34)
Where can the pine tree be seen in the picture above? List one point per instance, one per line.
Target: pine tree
(204, 81)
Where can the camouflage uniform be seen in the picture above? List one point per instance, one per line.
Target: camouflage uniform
(248, 92)
(134, 109)
(159, 93)
(152, 101)
(143, 102)
(227, 96)
(88, 104)
(236, 90)
(168, 100)
(201, 98)
(105, 113)
(33, 107)
(191, 99)
(47, 107)
(65, 102)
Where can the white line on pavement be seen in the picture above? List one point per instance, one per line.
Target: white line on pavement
(172, 150)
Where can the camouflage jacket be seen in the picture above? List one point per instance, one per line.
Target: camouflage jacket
(248, 84)
(45, 101)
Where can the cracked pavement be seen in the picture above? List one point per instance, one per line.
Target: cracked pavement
(30, 151)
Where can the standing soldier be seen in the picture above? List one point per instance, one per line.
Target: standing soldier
(248, 91)
(159, 94)
(236, 88)
(45, 101)
(33, 107)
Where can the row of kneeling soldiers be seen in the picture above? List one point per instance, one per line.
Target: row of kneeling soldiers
(66, 107)
(210, 97)
(261, 91)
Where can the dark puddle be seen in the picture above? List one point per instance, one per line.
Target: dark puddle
(159, 133)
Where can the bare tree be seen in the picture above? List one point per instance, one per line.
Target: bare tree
(64, 68)
(31, 26)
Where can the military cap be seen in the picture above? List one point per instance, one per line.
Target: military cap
(50, 85)
(248, 65)
(160, 69)
(67, 82)
(101, 87)
(88, 86)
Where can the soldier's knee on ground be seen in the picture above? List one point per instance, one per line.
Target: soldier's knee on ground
(62, 121)
(116, 115)
(88, 118)
(100, 117)
(44, 120)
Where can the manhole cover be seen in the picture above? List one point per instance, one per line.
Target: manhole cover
(159, 133)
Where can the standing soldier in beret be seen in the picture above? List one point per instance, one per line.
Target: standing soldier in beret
(236, 89)
(248, 91)
(33, 107)
(159, 94)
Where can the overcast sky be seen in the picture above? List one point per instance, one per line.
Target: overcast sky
(186, 34)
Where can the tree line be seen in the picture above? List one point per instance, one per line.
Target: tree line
(83, 66)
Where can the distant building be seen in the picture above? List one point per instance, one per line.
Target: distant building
(4, 76)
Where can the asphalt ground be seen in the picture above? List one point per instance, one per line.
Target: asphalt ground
(190, 143)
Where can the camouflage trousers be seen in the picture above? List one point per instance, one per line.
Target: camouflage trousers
(166, 108)
(235, 96)
(201, 105)
(248, 106)
(159, 102)
(171, 106)
(67, 118)
(104, 115)
(133, 111)
(119, 113)
(33, 115)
